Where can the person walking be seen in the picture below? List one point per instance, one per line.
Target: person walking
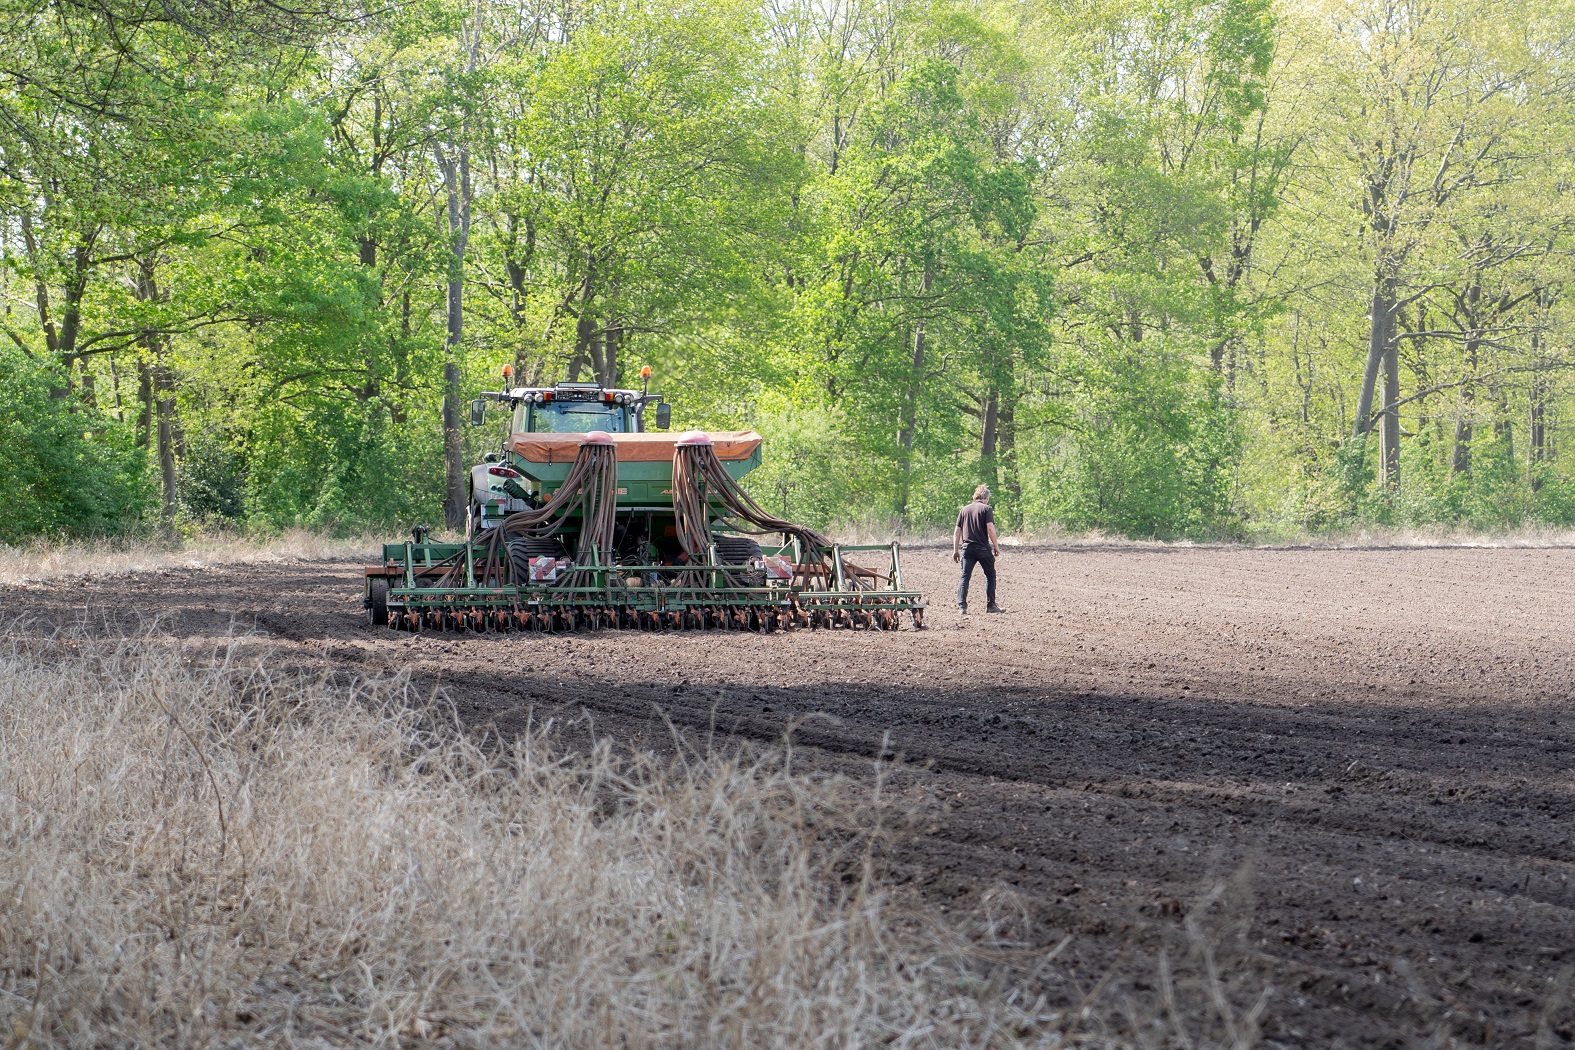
(975, 542)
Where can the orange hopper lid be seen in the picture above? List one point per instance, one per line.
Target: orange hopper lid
(730, 445)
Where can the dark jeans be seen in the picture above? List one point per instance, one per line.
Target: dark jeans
(986, 561)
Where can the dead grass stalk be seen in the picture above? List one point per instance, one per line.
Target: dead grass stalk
(199, 849)
(45, 559)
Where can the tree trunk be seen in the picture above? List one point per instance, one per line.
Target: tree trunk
(1391, 422)
(453, 450)
(1420, 363)
(1504, 426)
(114, 387)
(457, 189)
(1007, 426)
(158, 395)
(988, 439)
(585, 330)
(607, 364)
(1379, 336)
(990, 418)
(397, 413)
(46, 320)
(1537, 437)
(71, 316)
(910, 421)
(603, 349)
(1536, 431)
(584, 342)
(910, 408)
(164, 392)
(1460, 461)
(455, 167)
(145, 401)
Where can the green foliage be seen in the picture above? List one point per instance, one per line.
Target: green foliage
(812, 473)
(67, 470)
(212, 482)
(340, 466)
(1148, 452)
(1119, 260)
(922, 304)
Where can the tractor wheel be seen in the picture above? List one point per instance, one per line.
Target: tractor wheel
(377, 602)
(741, 550)
(523, 548)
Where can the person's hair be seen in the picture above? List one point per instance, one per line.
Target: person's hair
(982, 492)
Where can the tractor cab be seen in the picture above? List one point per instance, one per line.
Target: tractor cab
(577, 408)
(507, 482)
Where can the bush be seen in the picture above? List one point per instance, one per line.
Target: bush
(1150, 451)
(65, 468)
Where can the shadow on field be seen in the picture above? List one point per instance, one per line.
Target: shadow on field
(1406, 870)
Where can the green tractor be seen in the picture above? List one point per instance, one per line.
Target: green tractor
(584, 519)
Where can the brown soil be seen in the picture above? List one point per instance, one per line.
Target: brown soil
(1369, 750)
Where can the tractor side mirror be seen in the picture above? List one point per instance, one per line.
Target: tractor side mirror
(664, 415)
(478, 412)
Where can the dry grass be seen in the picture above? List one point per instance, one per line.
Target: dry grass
(45, 559)
(1363, 538)
(1531, 536)
(1356, 538)
(197, 850)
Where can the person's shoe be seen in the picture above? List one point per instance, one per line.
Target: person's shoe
(962, 610)
(994, 608)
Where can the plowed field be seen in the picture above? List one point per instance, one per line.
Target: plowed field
(1366, 756)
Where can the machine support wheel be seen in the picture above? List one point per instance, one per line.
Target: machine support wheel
(377, 602)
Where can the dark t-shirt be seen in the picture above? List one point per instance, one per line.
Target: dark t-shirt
(975, 520)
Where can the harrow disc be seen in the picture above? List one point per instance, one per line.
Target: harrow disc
(568, 619)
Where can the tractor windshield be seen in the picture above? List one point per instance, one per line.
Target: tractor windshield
(576, 417)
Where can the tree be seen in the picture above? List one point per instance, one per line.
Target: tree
(630, 183)
(1424, 97)
(914, 293)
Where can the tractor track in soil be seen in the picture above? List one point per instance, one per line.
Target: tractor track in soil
(1375, 748)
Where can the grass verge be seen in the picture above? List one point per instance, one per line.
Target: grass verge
(196, 849)
(46, 559)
